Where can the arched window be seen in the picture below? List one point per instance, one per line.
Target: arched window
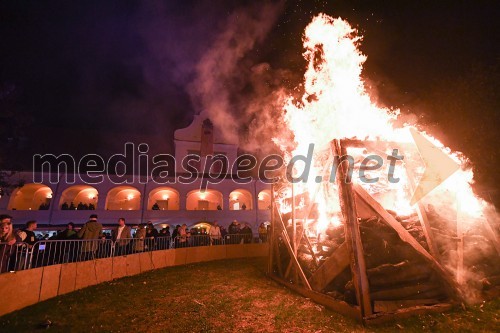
(264, 198)
(31, 197)
(206, 200)
(123, 198)
(163, 198)
(79, 197)
(240, 199)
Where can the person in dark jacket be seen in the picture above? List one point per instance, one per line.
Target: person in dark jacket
(151, 236)
(234, 233)
(246, 232)
(91, 232)
(68, 233)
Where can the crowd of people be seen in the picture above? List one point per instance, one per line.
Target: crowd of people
(80, 206)
(120, 240)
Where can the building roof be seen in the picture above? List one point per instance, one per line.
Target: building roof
(193, 132)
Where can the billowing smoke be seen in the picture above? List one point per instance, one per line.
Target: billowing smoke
(241, 96)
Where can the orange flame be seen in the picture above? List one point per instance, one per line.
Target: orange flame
(336, 105)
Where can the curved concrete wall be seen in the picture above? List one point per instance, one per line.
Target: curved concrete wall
(24, 288)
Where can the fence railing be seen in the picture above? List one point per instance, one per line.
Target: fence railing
(13, 257)
(22, 256)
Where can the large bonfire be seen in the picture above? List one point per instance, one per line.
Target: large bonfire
(336, 107)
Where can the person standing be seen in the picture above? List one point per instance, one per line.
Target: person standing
(234, 233)
(247, 233)
(121, 237)
(151, 236)
(91, 233)
(27, 234)
(139, 236)
(8, 239)
(263, 233)
(182, 236)
(68, 233)
(215, 234)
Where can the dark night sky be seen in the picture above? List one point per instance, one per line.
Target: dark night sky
(92, 75)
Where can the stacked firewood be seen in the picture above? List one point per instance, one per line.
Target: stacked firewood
(394, 269)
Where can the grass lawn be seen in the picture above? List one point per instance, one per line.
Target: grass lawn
(220, 296)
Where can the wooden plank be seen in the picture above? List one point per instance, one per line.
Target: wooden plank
(286, 241)
(274, 240)
(387, 275)
(331, 303)
(422, 215)
(331, 268)
(309, 246)
(452, 287)
(288, 270)
(392, 306)
(383, 317)
(278, 259)
(424, 221)
(352, 234)
(296, 262)
(324, 171)
(412, 291)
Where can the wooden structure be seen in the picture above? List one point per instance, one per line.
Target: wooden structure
(375, 269)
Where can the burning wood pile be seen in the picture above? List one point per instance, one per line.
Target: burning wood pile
(374, 264)
(388, 241)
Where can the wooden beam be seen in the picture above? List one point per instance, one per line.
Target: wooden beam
(383, 317)
(288, 269)
(286, 241)
(391, 306)
(424, 221)
(422, 215)
(309, 246)
(300, 272)
(278, 259)
(387, 275)
(331, 303)
(352, 234)
(408, 292)
(453, 288)
(331, 268)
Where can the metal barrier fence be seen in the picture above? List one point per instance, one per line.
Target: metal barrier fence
(22, 256)
(13, 257)
(53, 252)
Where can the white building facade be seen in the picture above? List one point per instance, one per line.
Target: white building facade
(143, 199)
